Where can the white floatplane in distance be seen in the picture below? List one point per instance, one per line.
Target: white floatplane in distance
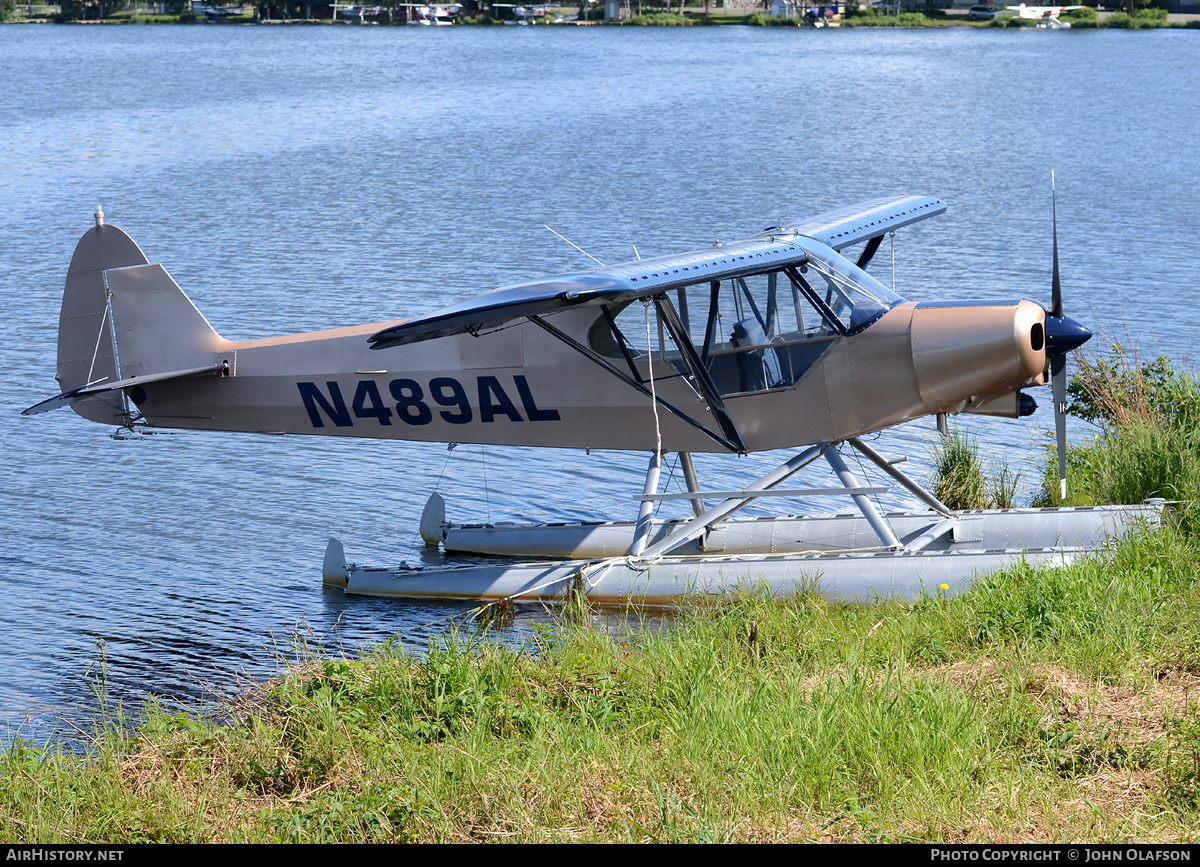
(217, 13)
(431, 14)
(776, 341)
(523, 15)
(349, 12)
(1046, 16)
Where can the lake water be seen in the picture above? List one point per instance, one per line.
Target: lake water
(299, 178)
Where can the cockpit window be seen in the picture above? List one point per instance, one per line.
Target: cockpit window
(755, 332)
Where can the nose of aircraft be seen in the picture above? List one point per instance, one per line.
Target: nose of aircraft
(1064, 334)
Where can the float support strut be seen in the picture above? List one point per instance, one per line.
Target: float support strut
(698, 525)
(878, 524)
(693, 484)
(916, 490)
(641, 532)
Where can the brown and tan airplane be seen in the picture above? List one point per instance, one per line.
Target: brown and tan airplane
(771, 342)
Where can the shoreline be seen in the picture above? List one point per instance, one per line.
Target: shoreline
(691, 17)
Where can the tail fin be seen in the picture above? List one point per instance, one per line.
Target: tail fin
(124, 318)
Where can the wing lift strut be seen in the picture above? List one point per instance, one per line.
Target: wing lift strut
(695, 372)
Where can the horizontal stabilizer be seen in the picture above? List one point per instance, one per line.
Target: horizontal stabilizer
(857, 223)
(102, 386)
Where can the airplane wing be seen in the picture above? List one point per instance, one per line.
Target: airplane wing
(856, 223)
(611, 285)
(504, 305)
(648, 277)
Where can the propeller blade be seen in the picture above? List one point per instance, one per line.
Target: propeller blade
(1062, 335)
(1056, 305)
(1058, 381)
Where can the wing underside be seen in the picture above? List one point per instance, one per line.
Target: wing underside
(774, 249)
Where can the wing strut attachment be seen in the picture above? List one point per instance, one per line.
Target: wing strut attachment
(868, 252)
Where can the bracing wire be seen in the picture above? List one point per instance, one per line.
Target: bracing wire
(667, 486)
(437, 486)
(650, 367)
(487, 497)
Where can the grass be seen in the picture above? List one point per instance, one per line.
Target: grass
(661, 19)
(961, 481)
(958, 471)
(1045, 705)
(1147, 444)
(875, 18)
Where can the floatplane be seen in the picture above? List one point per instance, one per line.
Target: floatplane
(351, 12)
(776, 341)
(218, 13)
(524, 15)
(431, 14)
(1046, 16)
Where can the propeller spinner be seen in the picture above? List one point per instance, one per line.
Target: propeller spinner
(1062, 335)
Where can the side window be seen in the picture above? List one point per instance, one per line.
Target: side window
(760, 309)
(854, 297)
(753, 333)
(630, 319)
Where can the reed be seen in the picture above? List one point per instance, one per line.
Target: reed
(958, 478)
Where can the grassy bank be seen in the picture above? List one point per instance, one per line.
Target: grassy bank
(1045, 705)
(1147, 442)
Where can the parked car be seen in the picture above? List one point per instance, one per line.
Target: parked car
(981, 13)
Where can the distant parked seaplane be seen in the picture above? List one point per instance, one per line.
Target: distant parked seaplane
(359, 12)
(1046, 16)
(776, 341)
(431, 14)
(523, 15)
(217, 13)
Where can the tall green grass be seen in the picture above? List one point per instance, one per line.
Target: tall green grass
(1045, 705)
(1146, 444)
(960, 479)
(1147, 416)
(661, 19)
(982, 717)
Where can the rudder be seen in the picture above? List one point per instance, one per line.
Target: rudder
(123, 317)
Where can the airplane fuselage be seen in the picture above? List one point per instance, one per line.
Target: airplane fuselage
(772, 342)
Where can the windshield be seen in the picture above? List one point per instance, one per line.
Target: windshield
(852, 295)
